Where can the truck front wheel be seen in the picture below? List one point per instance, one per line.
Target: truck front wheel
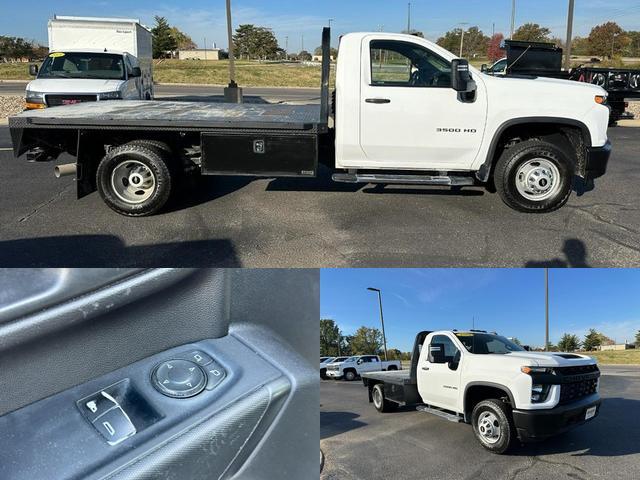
(134, 180)
(493, 425)
(350, 375)
(379, 401)
(534, 177)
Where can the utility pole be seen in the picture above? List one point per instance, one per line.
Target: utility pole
(409, 20)
(546, 309)
(513, 18)
(461, 41)
(493, 29)
(567, 58)
(330, 22)
(384, 337)
(302, 43)
(205, 48)
(286, 48)
(232, 93)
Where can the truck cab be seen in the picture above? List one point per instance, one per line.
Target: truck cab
(502, 390)
(75, 76)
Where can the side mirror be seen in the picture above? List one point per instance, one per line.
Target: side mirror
(33, 70)
(453, 364)
(436, 353)
(136, 72)
(359, 362)
(484, 68)
(461, 77)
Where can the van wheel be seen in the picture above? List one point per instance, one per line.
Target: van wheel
(493, 425)
(379, 401)
(534, 177)
(350, 375)
(134, 180)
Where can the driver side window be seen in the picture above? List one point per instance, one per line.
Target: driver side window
(404, 64)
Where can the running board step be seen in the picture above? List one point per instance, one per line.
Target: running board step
(403, 179)
(439, 413)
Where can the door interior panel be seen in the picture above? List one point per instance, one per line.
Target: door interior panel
(160, 374)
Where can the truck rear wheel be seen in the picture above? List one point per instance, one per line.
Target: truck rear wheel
(379, 401)
(350, 375)
(534, 177)
(134, 179)
(493, 425)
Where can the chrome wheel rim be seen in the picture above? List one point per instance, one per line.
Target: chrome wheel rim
(538, 179)
(377, 398)
(133, 182)
(489, 427)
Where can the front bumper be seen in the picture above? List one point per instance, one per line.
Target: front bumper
(334, 373)
(596, 161)
(533, 425)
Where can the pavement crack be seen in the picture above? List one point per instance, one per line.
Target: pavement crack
(600, 219)
(42, 205)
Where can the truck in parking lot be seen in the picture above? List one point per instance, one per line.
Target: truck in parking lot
(505, 392)
(353, 367)
(405, 111)
(93, 59)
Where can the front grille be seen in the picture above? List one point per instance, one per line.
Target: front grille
(570, 392)
(58, 100)
(332, 367)
(577, 370)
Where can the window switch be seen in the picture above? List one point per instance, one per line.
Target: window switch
(198, 357)
(215, 375)
(97, 404)
(115, 426)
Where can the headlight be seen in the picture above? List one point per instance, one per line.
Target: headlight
(111, 96)
(539, 393)
(35, 97)
(530, 370)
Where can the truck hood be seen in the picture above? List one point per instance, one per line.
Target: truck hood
(74, 85)
(544, 83)
(551, 359)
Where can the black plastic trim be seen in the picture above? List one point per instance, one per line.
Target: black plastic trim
(486, 384)
(597, 160)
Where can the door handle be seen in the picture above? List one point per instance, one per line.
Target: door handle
(425, 368)
(378, 100)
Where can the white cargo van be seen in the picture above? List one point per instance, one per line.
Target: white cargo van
(93, 59)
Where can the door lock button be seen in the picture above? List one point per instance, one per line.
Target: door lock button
(115, 426)
(179, 378)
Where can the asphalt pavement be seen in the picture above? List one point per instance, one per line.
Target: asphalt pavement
(205, 93)
(238, 221)
(361, 444)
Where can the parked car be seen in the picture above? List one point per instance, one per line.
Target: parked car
(483, 379)
(355, 366)
(91, 60)
(332, 364)
(324, 361)
(406, 112)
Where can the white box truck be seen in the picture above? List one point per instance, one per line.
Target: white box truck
(93, 59)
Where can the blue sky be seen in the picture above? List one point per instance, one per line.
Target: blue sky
(509, 301)
(297, 18)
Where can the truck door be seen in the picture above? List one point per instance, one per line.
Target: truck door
(410, 116)
(438, 374)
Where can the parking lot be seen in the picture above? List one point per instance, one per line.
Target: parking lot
(359, 443)
(313, 222)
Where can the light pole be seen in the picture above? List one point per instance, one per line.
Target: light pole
(286, 48)
(409, 20)
(330, 22)
(384, 337)
(567, 58)
(513, 18)
(462, 36)
(232, 93)
(613, 43)
(546, 309)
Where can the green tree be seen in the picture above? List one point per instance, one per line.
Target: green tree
(580, 46)
(532, 32)
(304, 56)
(366, 341)
(15, 48)
(638, 339)
(251, 42)
(329, 338)
(164, 44)
(592, 340)
(551, 347)
(633, 47)
(334, 52)
(568, 343)
(475, 42)
(516, 340)
(607, 40)
(183, 41)
(415, 33)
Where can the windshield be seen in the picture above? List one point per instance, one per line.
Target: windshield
(485, 343)
(339, 359)
(326, 359)
(83, 65)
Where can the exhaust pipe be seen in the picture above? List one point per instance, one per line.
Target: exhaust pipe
(65, 170)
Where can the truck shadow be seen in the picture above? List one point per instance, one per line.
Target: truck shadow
(575, 252)
(335, 423)
(110, 251)
(615, 432)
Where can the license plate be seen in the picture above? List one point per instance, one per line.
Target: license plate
(591, 412)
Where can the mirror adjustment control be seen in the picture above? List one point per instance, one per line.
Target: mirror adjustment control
(215, 375)
(115, 426)
(198, 357)
(179, 378)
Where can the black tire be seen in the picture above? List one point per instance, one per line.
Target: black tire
(504, 418)
(350, 375)
(392, 368)
(159, 145)
(515, 157)
(380, 402)
(153, 159)
(323, 373)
